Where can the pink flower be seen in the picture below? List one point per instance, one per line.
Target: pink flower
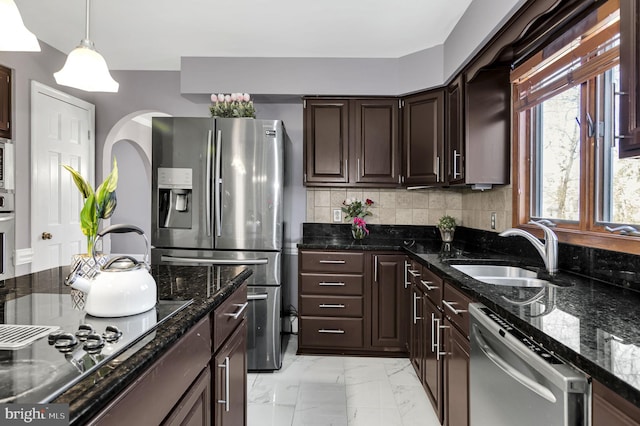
(214, 97)
(246, 97)
(234, 97)
(227, 98)
(220, 97)
(369, 202)
(360, 223)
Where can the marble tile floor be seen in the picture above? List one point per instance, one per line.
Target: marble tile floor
(338, 391)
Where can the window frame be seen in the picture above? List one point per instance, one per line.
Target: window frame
(587, 231)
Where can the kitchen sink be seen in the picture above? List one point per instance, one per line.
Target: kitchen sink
(498, 271)
(511, 276)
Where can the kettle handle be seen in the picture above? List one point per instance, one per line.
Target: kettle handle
(122, 229)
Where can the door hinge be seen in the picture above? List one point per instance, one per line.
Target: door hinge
(304, 104)
(8, 124)
(400, 103)
(89, 134)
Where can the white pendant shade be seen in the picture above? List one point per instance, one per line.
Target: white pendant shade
(14, 36)
(86, 69)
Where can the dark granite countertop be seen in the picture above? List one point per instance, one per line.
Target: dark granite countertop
(588, 322)
(175, 283)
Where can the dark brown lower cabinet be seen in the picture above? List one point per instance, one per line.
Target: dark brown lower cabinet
(194, 409)
(416, 346)
(610, 409)
(434, 355)
(456, 377)
(230, 380)
(388, 312)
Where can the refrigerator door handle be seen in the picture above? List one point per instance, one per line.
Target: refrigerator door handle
(175, 259)
(218, 184)
(208, 183)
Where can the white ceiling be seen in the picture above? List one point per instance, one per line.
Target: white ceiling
(154, 34)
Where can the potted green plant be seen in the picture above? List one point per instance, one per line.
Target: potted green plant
(447, 226)
(98, 204)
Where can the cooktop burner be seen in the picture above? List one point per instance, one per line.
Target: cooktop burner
(80, 345)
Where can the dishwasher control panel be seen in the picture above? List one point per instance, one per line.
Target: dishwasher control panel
(530, 344)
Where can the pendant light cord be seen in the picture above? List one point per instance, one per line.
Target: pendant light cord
(87, 26)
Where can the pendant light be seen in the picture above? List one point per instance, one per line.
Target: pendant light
(86, 69)
(14, 36)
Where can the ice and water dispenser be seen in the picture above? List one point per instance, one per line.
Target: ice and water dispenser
(175, 192)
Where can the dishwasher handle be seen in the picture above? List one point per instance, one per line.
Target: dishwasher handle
(525, 381)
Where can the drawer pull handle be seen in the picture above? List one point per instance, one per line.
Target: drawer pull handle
(225, 401)
(330, 284)
(414, 273)
(452, 308)
(427, 286)
(325, 331)
(334, 262)
(239, 312)
(331, 305)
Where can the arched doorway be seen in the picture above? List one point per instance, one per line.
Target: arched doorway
(129, 141)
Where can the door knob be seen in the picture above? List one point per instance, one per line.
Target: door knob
(46, 236)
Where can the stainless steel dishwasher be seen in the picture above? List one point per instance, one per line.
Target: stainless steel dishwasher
(514, 381)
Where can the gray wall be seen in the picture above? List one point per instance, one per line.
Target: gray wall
(27, 67)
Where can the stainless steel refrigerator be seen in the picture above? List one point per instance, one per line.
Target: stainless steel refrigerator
(217, 200)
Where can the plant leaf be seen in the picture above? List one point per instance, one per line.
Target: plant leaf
(108, 206)
(104, 191)
(83, 186)
(88, 219)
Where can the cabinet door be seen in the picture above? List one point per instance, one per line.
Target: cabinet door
(433, 345)
(230, 381)
(423, 134)
(455, 132)
(629, 88)
(610, 409)
(388, 314)
(456, 376)
(377, 150)
(416, 346)
(326, 141)
(195, 407)
(5, 102)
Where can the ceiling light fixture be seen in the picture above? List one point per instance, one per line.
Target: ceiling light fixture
(86, 69)
(14, 36)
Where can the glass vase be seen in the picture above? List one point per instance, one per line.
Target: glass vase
(358, 232)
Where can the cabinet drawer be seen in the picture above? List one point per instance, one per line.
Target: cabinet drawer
(432, 285)
(229, 315)
(331, 333)
(331, 306)
(332, 261)
(456, 307)
(350, 285)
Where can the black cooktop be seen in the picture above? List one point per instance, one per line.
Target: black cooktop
(47, 367)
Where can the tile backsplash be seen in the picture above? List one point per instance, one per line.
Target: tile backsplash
(417, 207)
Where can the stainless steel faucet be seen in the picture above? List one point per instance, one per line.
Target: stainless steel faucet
(548, 250)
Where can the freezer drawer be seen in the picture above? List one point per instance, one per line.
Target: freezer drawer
(264, 347)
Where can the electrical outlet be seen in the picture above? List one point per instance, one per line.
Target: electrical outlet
(337, 215)
(493, 220)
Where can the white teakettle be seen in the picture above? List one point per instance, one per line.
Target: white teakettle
(120, 288)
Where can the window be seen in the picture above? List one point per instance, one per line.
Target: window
(566, 164)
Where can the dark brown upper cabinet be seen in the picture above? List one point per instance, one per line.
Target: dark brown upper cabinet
(423, 138)
(455, 132)
(377, 151)
(351, 142)
(326, 142)
(5, 102)
(629, 120)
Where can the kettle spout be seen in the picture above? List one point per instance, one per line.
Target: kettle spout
(77, 281)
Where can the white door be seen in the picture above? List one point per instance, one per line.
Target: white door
(62, 129)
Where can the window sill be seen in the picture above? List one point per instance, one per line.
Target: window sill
(592, 239)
